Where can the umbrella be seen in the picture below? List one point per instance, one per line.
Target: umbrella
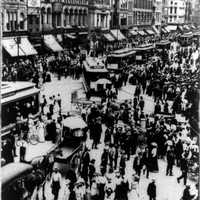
(74, 122)
(103, 81)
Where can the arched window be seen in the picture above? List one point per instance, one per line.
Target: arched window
(43, 12)
(7, 21)
(22, 19)
(66, 16)
(48, 15)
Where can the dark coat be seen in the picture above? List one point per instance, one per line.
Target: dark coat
(151, 190)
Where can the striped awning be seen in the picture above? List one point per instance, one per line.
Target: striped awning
(24, 48)
(52, 44)
(117, 34)
(149, 31)
(109, 37)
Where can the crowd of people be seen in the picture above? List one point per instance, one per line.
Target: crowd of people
(126, 136)
(46, 127)
(130, 133)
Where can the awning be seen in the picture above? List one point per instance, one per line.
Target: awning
(70, 36)
(163, 43)
(196, 33)
(25, 47)
(181, 28)
(170, 28)
(142, 33)
(193, 27)
(186, 27)
(109, 37)
(20, 95)
(117, 34)
(150, 32)
(155, 29)
(187, 35)
(52, 44)
(133, 32)
(83, 33)
(164, 30)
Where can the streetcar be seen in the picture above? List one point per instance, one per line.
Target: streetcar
(96, 77)
(143, 53)
(116, 58)
(14, 181)
(17, 99)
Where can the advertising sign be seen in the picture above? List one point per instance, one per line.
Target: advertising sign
(34, 3)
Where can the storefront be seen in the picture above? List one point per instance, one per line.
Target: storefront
(51, 43)
(18, 46)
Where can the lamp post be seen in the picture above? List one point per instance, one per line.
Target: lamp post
(18, 41)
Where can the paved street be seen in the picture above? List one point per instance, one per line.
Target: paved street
(167, 186)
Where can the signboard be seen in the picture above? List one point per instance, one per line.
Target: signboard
(33, 11)
(139, 57)
(113, 66)
(34, 3)
(57, 7)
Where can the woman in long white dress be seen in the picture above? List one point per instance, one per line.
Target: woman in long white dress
(133, 187)
(40, 131)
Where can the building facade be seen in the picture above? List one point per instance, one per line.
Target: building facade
(143, 12)
(99, 14)
(196, 12)
(176, 10)
(157, 12)
(14, 17)
(64, 13)
(188, 11)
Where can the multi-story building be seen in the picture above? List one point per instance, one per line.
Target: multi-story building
(175, 11)
(14, 26)
(157, 13)
(196, 12)
(143, 12)
(99, 14)
(188, 11)
(60, 18)
(14, 15)
(64, 13)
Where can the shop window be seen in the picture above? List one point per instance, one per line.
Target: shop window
(37, 20)
(30, 20)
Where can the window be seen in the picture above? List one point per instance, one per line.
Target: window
(37, 20)
(171, 8)
(175, 10)
(30, 19)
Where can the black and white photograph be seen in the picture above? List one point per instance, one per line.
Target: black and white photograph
(100, 99)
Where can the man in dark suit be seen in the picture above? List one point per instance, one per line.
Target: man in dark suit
(151, 190)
